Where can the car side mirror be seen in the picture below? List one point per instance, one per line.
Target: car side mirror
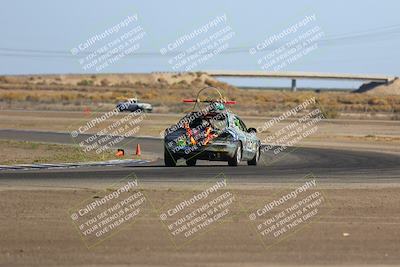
(252, 130)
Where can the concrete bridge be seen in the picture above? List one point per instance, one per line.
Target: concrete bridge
(294, 76)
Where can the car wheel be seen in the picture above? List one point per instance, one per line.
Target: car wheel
(237, 157)
(254, 160)
(169, 159)
(191, 162)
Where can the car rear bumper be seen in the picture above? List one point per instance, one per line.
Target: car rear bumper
(215, 151)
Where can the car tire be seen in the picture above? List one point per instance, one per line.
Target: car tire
(254, 160)
(237, 157)
(191, 162)
(169, 160)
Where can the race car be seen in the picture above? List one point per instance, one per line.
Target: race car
(212, 133)
(132, 104)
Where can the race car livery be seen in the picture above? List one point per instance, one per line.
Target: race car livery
(214, 134)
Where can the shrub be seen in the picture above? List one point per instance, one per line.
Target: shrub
(162, 81)
(85, 82)
(330, 113)
(105, 82)
(3, 79)
(377, 101)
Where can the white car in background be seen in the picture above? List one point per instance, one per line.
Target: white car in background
(132, 104)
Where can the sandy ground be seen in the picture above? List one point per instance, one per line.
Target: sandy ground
(382, 136)
(359, 226)
(392, 88)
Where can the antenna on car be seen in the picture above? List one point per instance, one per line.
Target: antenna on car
(221, 100)
(209, 101)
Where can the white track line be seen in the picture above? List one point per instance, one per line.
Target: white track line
(71, 165)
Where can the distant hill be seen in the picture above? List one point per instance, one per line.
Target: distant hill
(157, 80)
(373, 88)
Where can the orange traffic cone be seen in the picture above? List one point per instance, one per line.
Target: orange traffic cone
(86, 110)
(120, 153)
(138, 151)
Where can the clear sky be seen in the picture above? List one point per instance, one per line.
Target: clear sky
(360, 36)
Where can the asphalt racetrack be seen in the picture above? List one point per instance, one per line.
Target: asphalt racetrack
(328, 165)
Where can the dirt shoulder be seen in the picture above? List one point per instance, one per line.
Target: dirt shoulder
(23, 152)
(362, 227)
